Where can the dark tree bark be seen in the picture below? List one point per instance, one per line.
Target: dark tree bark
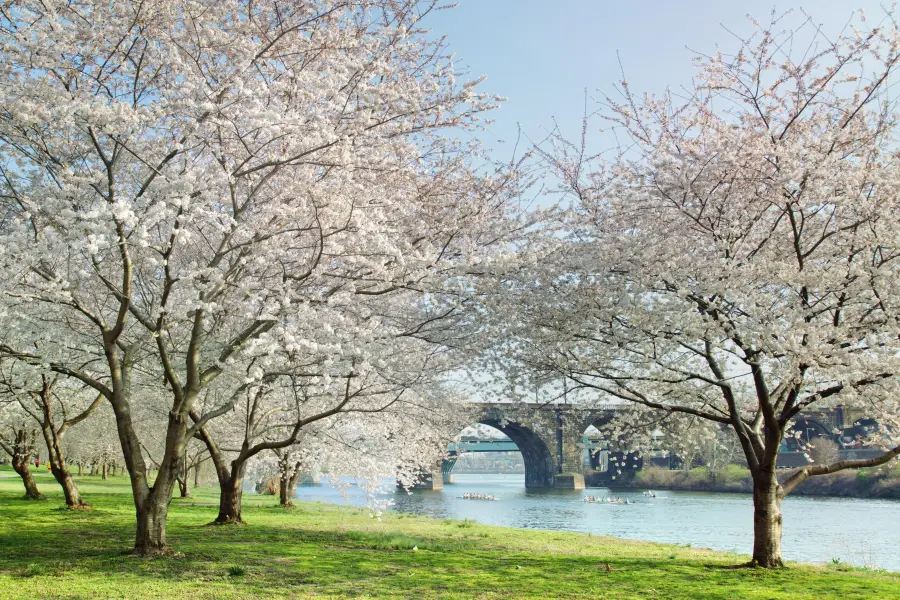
(183, 483)
(53, 436)
(152, 502)
(231, 481)
(24, 471)
(150, 538)
(21, 450)
(231, 497)
(62, 475)
(184, 490)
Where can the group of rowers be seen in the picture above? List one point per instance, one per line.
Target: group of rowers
(615, 500)
(468, 496)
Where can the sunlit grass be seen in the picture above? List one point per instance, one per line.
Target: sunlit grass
(323, 551)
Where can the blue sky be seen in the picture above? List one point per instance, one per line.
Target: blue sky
(543, 54)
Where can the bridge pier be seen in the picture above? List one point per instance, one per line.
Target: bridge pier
(550, 442)
(568, 481)
(428, 480)
(447, 468)
(569, 452)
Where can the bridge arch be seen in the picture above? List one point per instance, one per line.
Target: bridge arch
(809, 429)
(539, 464)
(533, 438)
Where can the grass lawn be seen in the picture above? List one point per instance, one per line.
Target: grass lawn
(322, 551)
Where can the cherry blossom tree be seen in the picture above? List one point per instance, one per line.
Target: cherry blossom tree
(391, 393)
(735, 259)
(54, 406)
(290, 464)
(375, 451)
(18, 438)
(187, 186)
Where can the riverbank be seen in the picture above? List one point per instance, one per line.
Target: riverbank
(865, 483)
(326, 551)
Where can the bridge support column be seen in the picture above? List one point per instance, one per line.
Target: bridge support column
(569, 481)
(447, 468)
(430, 481)
(569, 453)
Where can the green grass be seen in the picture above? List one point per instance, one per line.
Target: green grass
(322, 551)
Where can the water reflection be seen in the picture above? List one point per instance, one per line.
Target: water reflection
(817, 530)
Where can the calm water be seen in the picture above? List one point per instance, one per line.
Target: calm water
(816, 530)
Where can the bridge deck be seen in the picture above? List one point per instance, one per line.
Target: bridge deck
(501, 445)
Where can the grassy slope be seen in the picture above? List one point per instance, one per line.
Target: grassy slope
(321, 551)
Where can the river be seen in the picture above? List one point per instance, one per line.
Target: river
(861, 532)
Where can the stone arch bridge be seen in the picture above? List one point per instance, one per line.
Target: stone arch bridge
(552, 441)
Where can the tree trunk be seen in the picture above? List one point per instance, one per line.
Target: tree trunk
(767, 496)
(74, 501)
(197, 475)
(103, 470)
(230, 497)
(20, 465)
(230, 482)
(183, 473)
(56, 460)
(113, 470)
(151, 503)
(287, 483)
(284, 495)
(80, 468)
(150, 539)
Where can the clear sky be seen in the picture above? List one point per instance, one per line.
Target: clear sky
(543, 54)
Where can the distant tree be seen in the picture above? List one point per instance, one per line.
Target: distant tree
(53, 405)
(719, 451)
(195, 454)
(18, 438)
(824, 451)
